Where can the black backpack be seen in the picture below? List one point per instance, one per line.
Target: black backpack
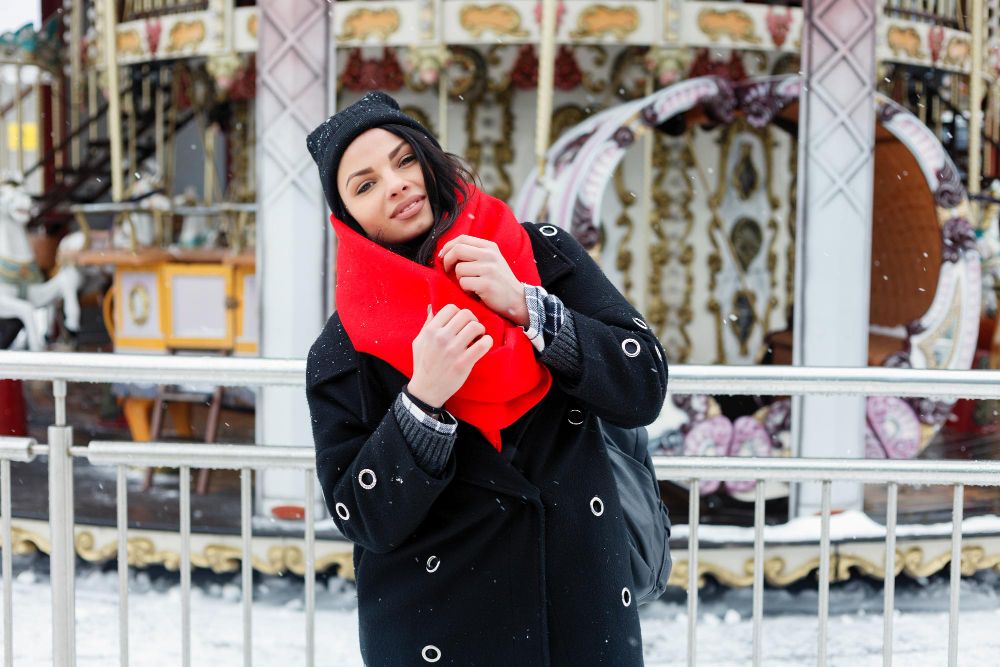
(646, 517)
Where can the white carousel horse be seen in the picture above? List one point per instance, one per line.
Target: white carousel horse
(143, 223)
(198, 230)
(24, 294)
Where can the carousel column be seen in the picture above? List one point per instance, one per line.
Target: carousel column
(833, 239)
(294, 266)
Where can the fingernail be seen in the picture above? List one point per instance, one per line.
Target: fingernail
(428, 309)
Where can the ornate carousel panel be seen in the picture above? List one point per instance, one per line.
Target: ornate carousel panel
(721, 268)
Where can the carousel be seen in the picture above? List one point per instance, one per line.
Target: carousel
(665, 139)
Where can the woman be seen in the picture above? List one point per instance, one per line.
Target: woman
(454, 397)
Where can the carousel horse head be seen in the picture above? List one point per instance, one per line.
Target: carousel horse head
(15, 202)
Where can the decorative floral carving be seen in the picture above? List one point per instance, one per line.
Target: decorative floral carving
(760, 103)
(376, 74)
(950, 192)
(624, 137)
(567, 71)
(731, 70)
(582, 226)
(778, 26)
(720, 107)
(957, 235)
(886, 112)
(524, 73)
(935, 40)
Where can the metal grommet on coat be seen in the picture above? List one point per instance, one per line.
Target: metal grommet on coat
(575, 417)
(625, 347)
(626, 597)
(548, 230)
(342, 511)
(361, 478)
(431, 653)
(433, 563)
(597, 506)
(640, 322)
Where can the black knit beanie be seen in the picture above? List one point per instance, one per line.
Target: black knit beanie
(328, 142)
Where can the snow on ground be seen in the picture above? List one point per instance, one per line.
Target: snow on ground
(725, 630)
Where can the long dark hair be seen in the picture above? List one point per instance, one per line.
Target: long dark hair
(445, 176)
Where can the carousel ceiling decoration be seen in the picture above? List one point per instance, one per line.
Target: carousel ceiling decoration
(685, 24)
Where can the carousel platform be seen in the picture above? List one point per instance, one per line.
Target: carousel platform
(726, 535)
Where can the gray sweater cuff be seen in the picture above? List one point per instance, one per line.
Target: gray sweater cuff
(430, 447)
(563, 353)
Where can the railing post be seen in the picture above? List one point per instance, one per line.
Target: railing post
(62, 555)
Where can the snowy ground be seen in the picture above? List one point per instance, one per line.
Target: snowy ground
(725, 631)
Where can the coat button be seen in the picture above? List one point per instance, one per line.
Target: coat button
(433, 563)
(431, 653)
(640, 322)
(626, 597)
(548, 230)
(367, 478)
(575, 417)
(633, 344)
(597, 506)
(342, 511)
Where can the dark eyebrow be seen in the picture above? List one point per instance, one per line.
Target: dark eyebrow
(369, 169)
(396, 149)
(358, 173)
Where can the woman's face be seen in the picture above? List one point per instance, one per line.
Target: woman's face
(382, 186)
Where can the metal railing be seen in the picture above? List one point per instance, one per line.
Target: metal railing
(61, 368)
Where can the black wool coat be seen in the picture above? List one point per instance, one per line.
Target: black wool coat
(497, 563)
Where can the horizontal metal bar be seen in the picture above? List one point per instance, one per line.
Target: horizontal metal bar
(872, 471)
(174, 455)
(684, 379)
(144, 207)
(159, 369)
(17, 449)
(812, 380)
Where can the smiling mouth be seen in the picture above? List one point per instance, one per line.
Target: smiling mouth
(408, 211)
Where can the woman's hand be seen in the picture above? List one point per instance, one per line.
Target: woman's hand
(482, 269)
(444, 353)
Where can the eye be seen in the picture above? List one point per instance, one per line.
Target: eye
(364, 188)
(407, 160)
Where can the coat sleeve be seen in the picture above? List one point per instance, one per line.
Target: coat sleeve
(376, 491)
(605, 355)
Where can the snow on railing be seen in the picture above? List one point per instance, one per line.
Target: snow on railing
(772, 380)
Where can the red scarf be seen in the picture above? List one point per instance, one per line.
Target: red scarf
(382, 299)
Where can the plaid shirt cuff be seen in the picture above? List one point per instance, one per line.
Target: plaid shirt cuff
(546, 315)
(430, 441)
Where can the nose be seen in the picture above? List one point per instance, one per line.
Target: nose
(397, 188)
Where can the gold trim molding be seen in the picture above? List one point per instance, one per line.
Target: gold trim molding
(221, 558)
(363, 22)
(500, 18)
(598, 20)
(735, 24)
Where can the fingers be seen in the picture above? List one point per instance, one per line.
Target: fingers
(469, 333)
(458, 322)
(467, 239)
(479, 349)
(463, 252)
